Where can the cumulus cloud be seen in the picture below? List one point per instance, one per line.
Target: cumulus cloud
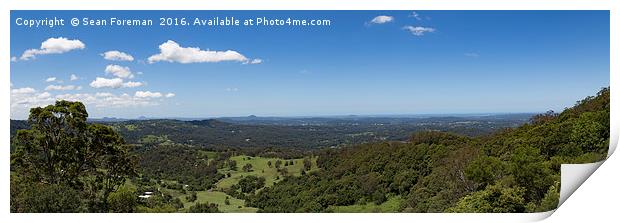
(148, 94)
(119, 71)
(25, 90)
(101, 82)
(62, 88)
(106, 99)
(116, 55)
(419, 30)
(169, 95)
(53, 46)
(73, 77)
(171, 51)
(382, 19)
(132, 84)
(50, 79)
(22, 99)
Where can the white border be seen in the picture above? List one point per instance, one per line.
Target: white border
(290, 5)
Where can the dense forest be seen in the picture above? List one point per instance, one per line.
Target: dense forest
(252, 133)
(63, 162)
(513, 170)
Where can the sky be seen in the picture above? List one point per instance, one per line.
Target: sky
(363, 63)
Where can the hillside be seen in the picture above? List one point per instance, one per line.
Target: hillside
(513, 170)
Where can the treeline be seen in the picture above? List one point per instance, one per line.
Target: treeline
(514, 170)
(183, 164)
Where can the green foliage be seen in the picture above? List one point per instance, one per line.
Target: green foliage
(485, 170)
(44, 198)
(123, 200)
(392, 205)
(247, 167)
(436, 137)
(496, 198)
(278, 164)
(183, 164)
(191, 197)
(551, 199)
(307, 164)
(62, 150)
(589, 133)
(250, 184)
(530, 173)
(444, 185)
(203, 208)
(366, 172)
(232, 164)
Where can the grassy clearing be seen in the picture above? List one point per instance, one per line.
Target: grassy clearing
(261, 169)
(216, 197)
(392, 205)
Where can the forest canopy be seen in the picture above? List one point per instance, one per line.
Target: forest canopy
(513, 170)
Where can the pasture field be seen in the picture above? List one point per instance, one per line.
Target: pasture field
(261, 168)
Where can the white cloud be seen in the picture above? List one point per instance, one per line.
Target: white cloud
(415, 15)
(101, 82)
(50, 79)
(132, 84)
(254, 61)
(169, 95)
(234, 89)
(13, 59)
(25, 90)
(62, 88)
(73, 77)
(419, 30)
(108, 100)
(104, 94)
(171, 51)
(22, 99)
(119, 71)
(148, 94)
(53, 46)
(382, 19)
(116, 55)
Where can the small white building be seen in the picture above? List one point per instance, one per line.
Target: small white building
(146, 194)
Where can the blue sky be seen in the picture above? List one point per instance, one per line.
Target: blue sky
(364, 63)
